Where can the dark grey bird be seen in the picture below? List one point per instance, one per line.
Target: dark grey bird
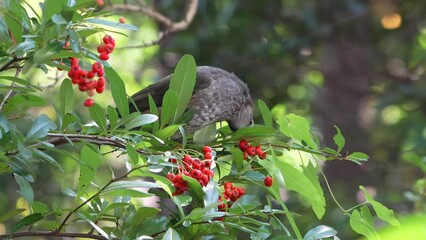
(218, 96)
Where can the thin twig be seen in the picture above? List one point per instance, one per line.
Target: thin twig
(51, 234)
(10, 92)
(95, 195)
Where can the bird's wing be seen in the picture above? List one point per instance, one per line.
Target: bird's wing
(157, 91)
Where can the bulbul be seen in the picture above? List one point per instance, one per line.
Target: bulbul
(218, 96)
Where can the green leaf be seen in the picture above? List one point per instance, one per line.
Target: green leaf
(297, 181)
(11, 214)
(20, 81)
(154, 110)
(120, 185)
(237, 157)
(26, 190)
(195, 190)
(169, 106)
(244, 204)
(112, 116)
(362, 223)
(44, 54)
(27, 221)
(357, 157)
(266, 113)
(89, 164)
(40, 128)
(183, 83)
(141, 120)
(339, 140)
(382, 212)
(133, 155)
(98, 115)
(320, 232)
(112, 24)
(171, 234)
(253, 132)
(167, 132)
(205, 135)
(298, 128)
(66, 96)
(118, 91)
(50, 8)
(25, 101)
(134, 193)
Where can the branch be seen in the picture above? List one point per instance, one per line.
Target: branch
(191, 10)
(51, 234)
(95, 195)
(10, 93)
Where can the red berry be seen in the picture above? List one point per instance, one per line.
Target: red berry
(245, 155)
(263, 156)
(102, 48)
(178, 178)
(228, 192)
(89, 102)
(207, 149)
(251, 151)
(268, 181)
(205, 179)
(107, 39)
(258, 150)
(122, 20)
(208, 155)
(100, 2)
(104, 56)
(195, 173)
(90, 74)
(109, 48)
(241, 191)
(244, 145)
(96, 66)
(74, 61)
(66, 44)
(100, 89)
(228, 185)
(171, 177)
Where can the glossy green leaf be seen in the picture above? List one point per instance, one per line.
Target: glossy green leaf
(112, 24)
(358, 157)
(169, 106)
(66, 96)
(205, 135)
(118, 91)
(11, 214)
(26, 191)
(171, 234)
(40, 128)
(90, 161)
(134, 193)
(133, 155)
(253, 132)
(52, 7)
(45, 54)
(141, 120)
(183, 83)
(20, 81)
(298, 128)
(237, 157)
(167, 132)
(154, 110)
(266, 113)
(245, 204)
(362, 222)
(320, 232)
(98, 115)
(297, 181)
(112, 116)
(339, 140)
(27, 221)
(195, 190)
(120, 185)
(382, 212)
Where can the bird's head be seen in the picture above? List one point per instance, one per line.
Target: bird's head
(243, 117)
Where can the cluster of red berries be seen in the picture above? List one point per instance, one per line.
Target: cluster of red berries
(231, 194)
(194, 168)
(85, 79)
(249, 150)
